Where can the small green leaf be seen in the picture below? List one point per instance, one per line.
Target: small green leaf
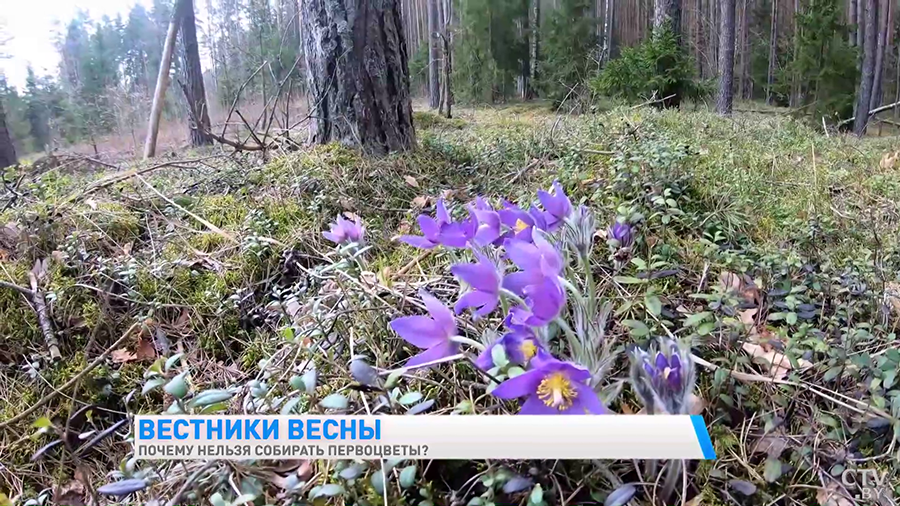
(296, 382)
(309, 380)
(772, 470)
(334, 401)
(378, 482)
(42, 423)
(408, 476)
(791, 318)
(537, 494)
(695, 319)
(498, 354)
(172, 360)
(177, 387)
(289, 406)
(393, 378)
(410, 398)
(638, 328)
(775, 317)
(653, 304)
(209, 397)
(628, 280)
(329, 490)
(353, 472)
(217, 500)
(889, 378)
(475, 501)
(705, 328)
(154, 370)
(515, 371)
(152, 384)
(832, 373)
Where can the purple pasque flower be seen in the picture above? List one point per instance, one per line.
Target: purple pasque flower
(345, 231)
(543, 301)
(484, 277)
(537, 260)
(621, 233)
(519, 221)
(433, 333)
(553, 387)
(520, 348)
(486, 225)
(557, 206)
(439, 230)
(664, 377)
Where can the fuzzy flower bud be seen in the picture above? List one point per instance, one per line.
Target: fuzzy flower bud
(663, 377)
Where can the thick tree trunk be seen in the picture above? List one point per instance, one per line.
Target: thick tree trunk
(534, 25)
(773, 47)
(358, 74)
(434, 80)
(880, 49)
(607, 31)
(795, 80)
(196, 92)
(668, 12)
(162, 82)
(726, 59)
(851, 22)
(867, 76)
(447, 51)
(7, 149)
(860, 24)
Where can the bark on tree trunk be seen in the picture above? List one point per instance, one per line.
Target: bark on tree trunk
(607, 31)
(7, 149)
(866, 79)
(199, 122)
(162, 82)
(534, 24)
(434, 80)
(851, 22)
(795, 81)
(668, 16)
(358, 74)
(743, 65)
(726, 59)
(447, 50)
(860, 23)
(880, 49)
(773, 46)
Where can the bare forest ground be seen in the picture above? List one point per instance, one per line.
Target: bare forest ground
(771, 247)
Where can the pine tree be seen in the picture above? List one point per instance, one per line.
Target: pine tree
(569, 38)
(726, 59)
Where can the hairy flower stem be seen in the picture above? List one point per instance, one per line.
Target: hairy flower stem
(673, 472)
(506, 294)
(465, 340)
(570, 335)
(589, 282)
(572, 288)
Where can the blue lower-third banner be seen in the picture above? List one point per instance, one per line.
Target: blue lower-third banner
(424, 437)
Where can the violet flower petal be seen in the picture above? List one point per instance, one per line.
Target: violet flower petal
(535, 406)
(440, 313)
(520, 386)
(436, 352)
(419, 331)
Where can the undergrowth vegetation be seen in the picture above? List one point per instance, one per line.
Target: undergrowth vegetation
(768, 251)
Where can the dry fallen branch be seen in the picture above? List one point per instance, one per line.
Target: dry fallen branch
(36, 297)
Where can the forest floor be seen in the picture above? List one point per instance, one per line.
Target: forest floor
(770, 246)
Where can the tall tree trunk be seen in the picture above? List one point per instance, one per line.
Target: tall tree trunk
(447, 51)
(743, 44)
(668, 16)
(7, 149)
(773, 47)
(726, 59)
(162, 83)
(860, 24)
(358, 74)
(607, 31)
(795, 79)
(851, 21)
(880, 50)
(434, 72)
(867, 76)
(195, 91)
(534, 24)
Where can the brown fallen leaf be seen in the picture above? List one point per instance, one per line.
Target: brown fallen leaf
(696, 405)
(772, 444)
(411, 181)
(748, 316)
(889, 160)
(778, 364)
(729, 281)
(145, 350)
(122, 356)
(420, 202)
(70, 494)
(831, 496)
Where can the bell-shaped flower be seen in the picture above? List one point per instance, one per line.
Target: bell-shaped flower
(664, 377)
(487, 226)
(344, 231)
(433, 333)
(557, 206)
(520, 222)
(439, 230)
(621, 233)
(553, 387)
(484, 278)
(520, 348)
(543, 302)
(537, 260)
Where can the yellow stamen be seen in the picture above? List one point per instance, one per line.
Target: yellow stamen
(520, 225)
(528, 349)
(557, 391)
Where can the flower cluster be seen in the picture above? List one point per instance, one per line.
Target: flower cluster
(521, 267)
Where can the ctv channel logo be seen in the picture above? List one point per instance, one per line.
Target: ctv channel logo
(870, 484)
